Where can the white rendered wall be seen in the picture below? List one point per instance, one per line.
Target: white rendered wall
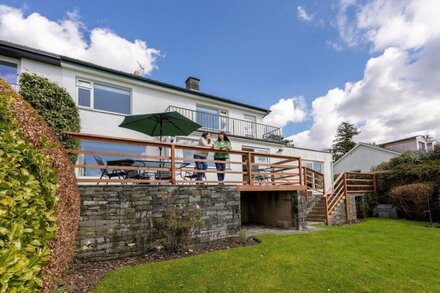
(362, 159)
(149, 99)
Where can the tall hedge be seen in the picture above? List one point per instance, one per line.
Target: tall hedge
(27, 200)
(54, 104)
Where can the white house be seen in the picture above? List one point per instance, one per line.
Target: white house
(105, 96)
(413, 143)
(362, 157)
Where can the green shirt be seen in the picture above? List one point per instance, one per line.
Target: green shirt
(222, 144)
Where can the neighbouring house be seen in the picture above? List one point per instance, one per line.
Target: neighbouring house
(413, 143)
(362, 157)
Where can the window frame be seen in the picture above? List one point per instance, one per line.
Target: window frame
(252, 124)
(12, 62)
(308, 163)
(92, 94)
(221, 113)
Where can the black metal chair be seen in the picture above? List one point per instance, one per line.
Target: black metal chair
(191, 175)
(259, 177)
(109, 174)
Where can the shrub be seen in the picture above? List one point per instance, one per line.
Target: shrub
(54, 104)
(177, 225)
(412, 199)
(34, 128)
(28, 195)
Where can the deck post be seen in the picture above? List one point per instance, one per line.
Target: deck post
(345, 196)
(326, 210)
(249, 168)
(173, 164)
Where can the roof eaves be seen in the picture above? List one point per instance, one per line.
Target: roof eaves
(157, 83)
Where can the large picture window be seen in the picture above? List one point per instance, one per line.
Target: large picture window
(103, 97)
(8, 72)
(105, 147)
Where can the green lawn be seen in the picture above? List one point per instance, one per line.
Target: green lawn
(374, 256)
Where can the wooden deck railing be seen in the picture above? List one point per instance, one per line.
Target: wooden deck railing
(173, 167)
(346, 183)
(314, 180)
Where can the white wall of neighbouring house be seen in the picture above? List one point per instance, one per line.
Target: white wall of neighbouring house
(362, 159)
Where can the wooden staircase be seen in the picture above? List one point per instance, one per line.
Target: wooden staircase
(321, 205)
(346, 183)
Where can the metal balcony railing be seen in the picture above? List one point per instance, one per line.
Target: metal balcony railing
(232, 126)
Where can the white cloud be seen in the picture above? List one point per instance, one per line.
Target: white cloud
(302, 14)
(333, 45)
(399, 94)
(70, 37)
(285, 111)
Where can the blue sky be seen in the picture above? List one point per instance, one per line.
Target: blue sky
(252, 51)
(259, 52)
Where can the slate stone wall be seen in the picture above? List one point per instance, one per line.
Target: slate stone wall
(121, 221)
(338, 215)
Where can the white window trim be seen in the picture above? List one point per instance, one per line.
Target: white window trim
(15, 62)
(219, 113)
(92, 95)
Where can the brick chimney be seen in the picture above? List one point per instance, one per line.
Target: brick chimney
(192, 83)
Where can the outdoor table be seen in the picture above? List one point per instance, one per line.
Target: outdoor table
(146, 163)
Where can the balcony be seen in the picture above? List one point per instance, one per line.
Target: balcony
(231, 126)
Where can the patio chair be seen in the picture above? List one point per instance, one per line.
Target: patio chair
(105, 171)
(191, 175)
(259, 177)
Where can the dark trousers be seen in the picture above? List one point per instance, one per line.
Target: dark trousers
(200, 166)
(220, 167)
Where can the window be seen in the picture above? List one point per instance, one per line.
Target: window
(249, 125)
(103, 97)
(314, 165)
(8, 72)
(212, 118)
(262, 160)
(105, 147)
(422, 146)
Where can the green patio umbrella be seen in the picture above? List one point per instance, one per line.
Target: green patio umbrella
(160, 124)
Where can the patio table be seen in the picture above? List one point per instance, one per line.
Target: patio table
(148, 164)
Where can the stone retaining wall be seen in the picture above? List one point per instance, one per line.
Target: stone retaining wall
(121, 221)
(338, 215)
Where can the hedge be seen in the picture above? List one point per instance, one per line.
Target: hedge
(54, 104)
(28, 196)
(67, 206)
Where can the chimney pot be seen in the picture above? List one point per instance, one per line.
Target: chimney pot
(192, 83)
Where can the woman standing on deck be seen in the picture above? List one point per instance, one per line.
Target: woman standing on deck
(223, 144)
(205, 141)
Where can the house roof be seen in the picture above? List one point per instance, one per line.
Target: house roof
(399, 140)
(20, 51)
(365, 145)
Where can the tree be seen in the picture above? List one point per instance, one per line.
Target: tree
(343, 142)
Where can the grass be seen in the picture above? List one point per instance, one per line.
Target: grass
(373, 256)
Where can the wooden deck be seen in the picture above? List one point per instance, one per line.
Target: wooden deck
(271, 187)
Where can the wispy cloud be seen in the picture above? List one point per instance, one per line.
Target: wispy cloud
(302, 14)
(70, 37)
